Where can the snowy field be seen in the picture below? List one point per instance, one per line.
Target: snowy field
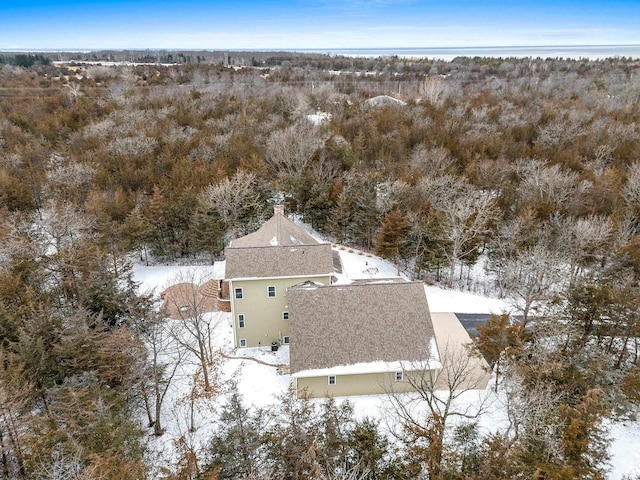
(260, 383)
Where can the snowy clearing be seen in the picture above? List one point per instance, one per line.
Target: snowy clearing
(158, 277)
(261, 382)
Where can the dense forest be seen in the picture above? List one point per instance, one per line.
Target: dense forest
(529, 167)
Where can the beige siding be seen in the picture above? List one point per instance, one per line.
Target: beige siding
(363, 384)
(263, 315)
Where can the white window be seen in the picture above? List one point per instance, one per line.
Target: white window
(243, 342)
(399, 376)
(332, 379)
(271, 291)
(241, 320)
(285, 315)
(239, 293)
(285, 340)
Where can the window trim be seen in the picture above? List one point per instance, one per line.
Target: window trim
(269, 291)
(241, 320)
(332, 380)
(285, 316)
(237, 290)
(285, 340)
(242, 341)
(399, 376)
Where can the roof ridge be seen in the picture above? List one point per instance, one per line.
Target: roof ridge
(376, 282)
(278, 229)
(297, 245)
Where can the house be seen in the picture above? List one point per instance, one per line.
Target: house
(367, 337)
(462, 369)
(260, 267)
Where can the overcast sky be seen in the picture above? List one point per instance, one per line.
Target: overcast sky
(320, 24)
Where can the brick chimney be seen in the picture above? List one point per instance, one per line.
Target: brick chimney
(278, 210)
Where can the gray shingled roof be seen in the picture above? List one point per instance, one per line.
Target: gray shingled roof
(277, 231)
(358, 323)
(279, 248)
(268, 262)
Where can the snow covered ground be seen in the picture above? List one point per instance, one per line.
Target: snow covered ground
(260, 383)
(154, 279)
(157, 278)
(358, 265)
(319, 118)
(625, 449)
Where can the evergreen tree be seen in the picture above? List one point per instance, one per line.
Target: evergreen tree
(236, 448)
(208, 231)
(391, 242)
(499, 337)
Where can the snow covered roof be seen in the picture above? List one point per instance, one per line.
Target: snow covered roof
(348, 327)
(432, 363)
(279, 248)
(384, 101)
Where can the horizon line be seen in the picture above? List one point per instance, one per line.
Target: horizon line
(306, 49)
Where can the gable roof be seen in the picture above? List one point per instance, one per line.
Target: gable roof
(270, 262)
(277, 231)
(279, 248)
(366, 322)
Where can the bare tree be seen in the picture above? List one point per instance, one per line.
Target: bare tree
(441, 188)
(631, 190)
(117, 91)
(434, 90)
(18, 239)
(531, 413)
(465, 212)
(132, 146)
(466, 223)
(426, 414)
(434, 161)
(73, 91)
(546, 183)
(355, 472)
(62, 226)
(560, 132)
(290, 150)
(234, 199)
(64, 466)
(193, 331)
(532, 276)
(390, 195)
(326, 169)
(582, 241)
(70, 182)
(163, 362)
